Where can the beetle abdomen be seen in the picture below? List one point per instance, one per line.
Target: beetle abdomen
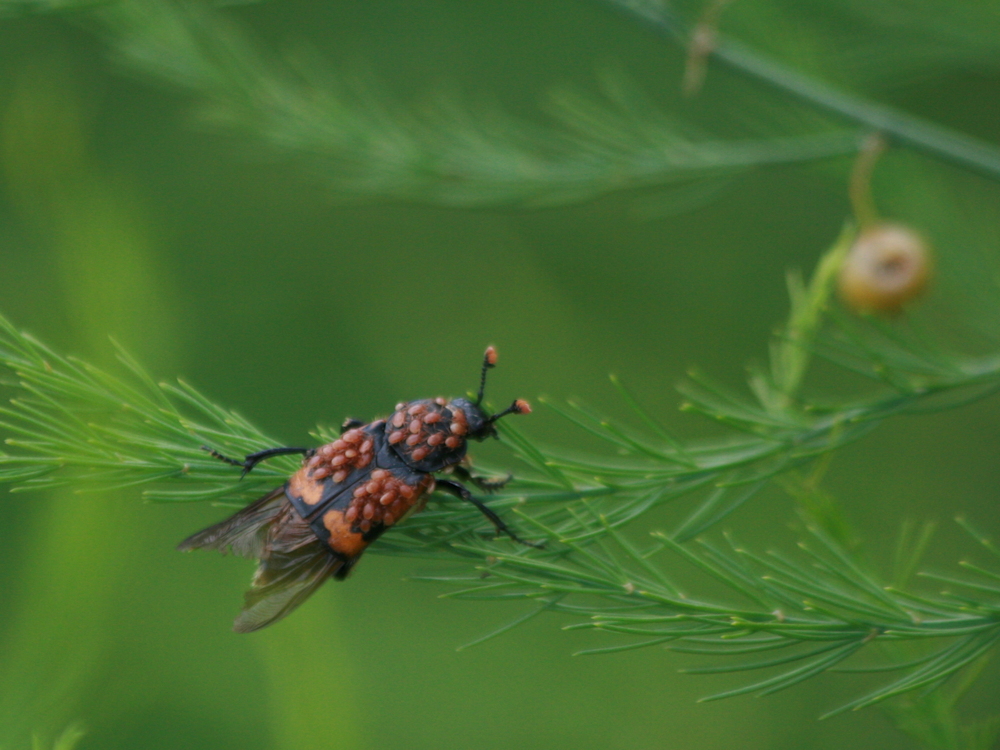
(355, 488)
(374, 506)
(385, 498)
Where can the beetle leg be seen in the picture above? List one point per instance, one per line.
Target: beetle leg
(486, 485)
(215, 454)
(255, 458)
(460, 491)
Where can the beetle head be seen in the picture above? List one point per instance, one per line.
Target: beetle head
(432, 434)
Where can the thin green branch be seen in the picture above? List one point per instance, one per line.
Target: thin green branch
(652, 611)
(935, 140)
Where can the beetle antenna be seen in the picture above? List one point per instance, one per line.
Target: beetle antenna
(518, 407)
(489, 362)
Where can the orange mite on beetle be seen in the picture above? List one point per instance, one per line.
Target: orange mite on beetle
(347, 493)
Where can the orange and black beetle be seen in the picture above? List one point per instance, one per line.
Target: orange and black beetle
(346, 494)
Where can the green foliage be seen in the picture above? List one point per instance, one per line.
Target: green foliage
(365, 143)
(16, 8)
(825, 608)
(931, 717)
(362, 142)
(818, 611)
(78, 426)
(913, 131)
(65, 741)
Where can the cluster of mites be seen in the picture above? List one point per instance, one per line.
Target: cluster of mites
(354, 449)
(415, 426)
(384, 499)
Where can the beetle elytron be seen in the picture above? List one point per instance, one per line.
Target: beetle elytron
(347, 493)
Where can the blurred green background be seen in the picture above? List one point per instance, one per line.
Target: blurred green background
(206, 256)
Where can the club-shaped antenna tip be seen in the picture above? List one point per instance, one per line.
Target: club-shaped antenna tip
(491, 356)
(522, 407)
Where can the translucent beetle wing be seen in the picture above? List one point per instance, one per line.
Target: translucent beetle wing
(293, 563)
(245, 533)
(283, 581)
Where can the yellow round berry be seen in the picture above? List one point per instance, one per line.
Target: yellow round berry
(888, 266)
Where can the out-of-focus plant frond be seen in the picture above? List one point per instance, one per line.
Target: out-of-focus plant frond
(15, 8)
(883, 43)
(931, 716)
(67, 740)
(933, 139)
(362, 141)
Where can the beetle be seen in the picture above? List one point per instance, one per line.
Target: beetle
(347, 493)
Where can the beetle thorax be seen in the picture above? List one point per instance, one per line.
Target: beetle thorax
(429, 434)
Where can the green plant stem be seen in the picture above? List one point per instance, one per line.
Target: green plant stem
(933, 139)
(790, 356)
